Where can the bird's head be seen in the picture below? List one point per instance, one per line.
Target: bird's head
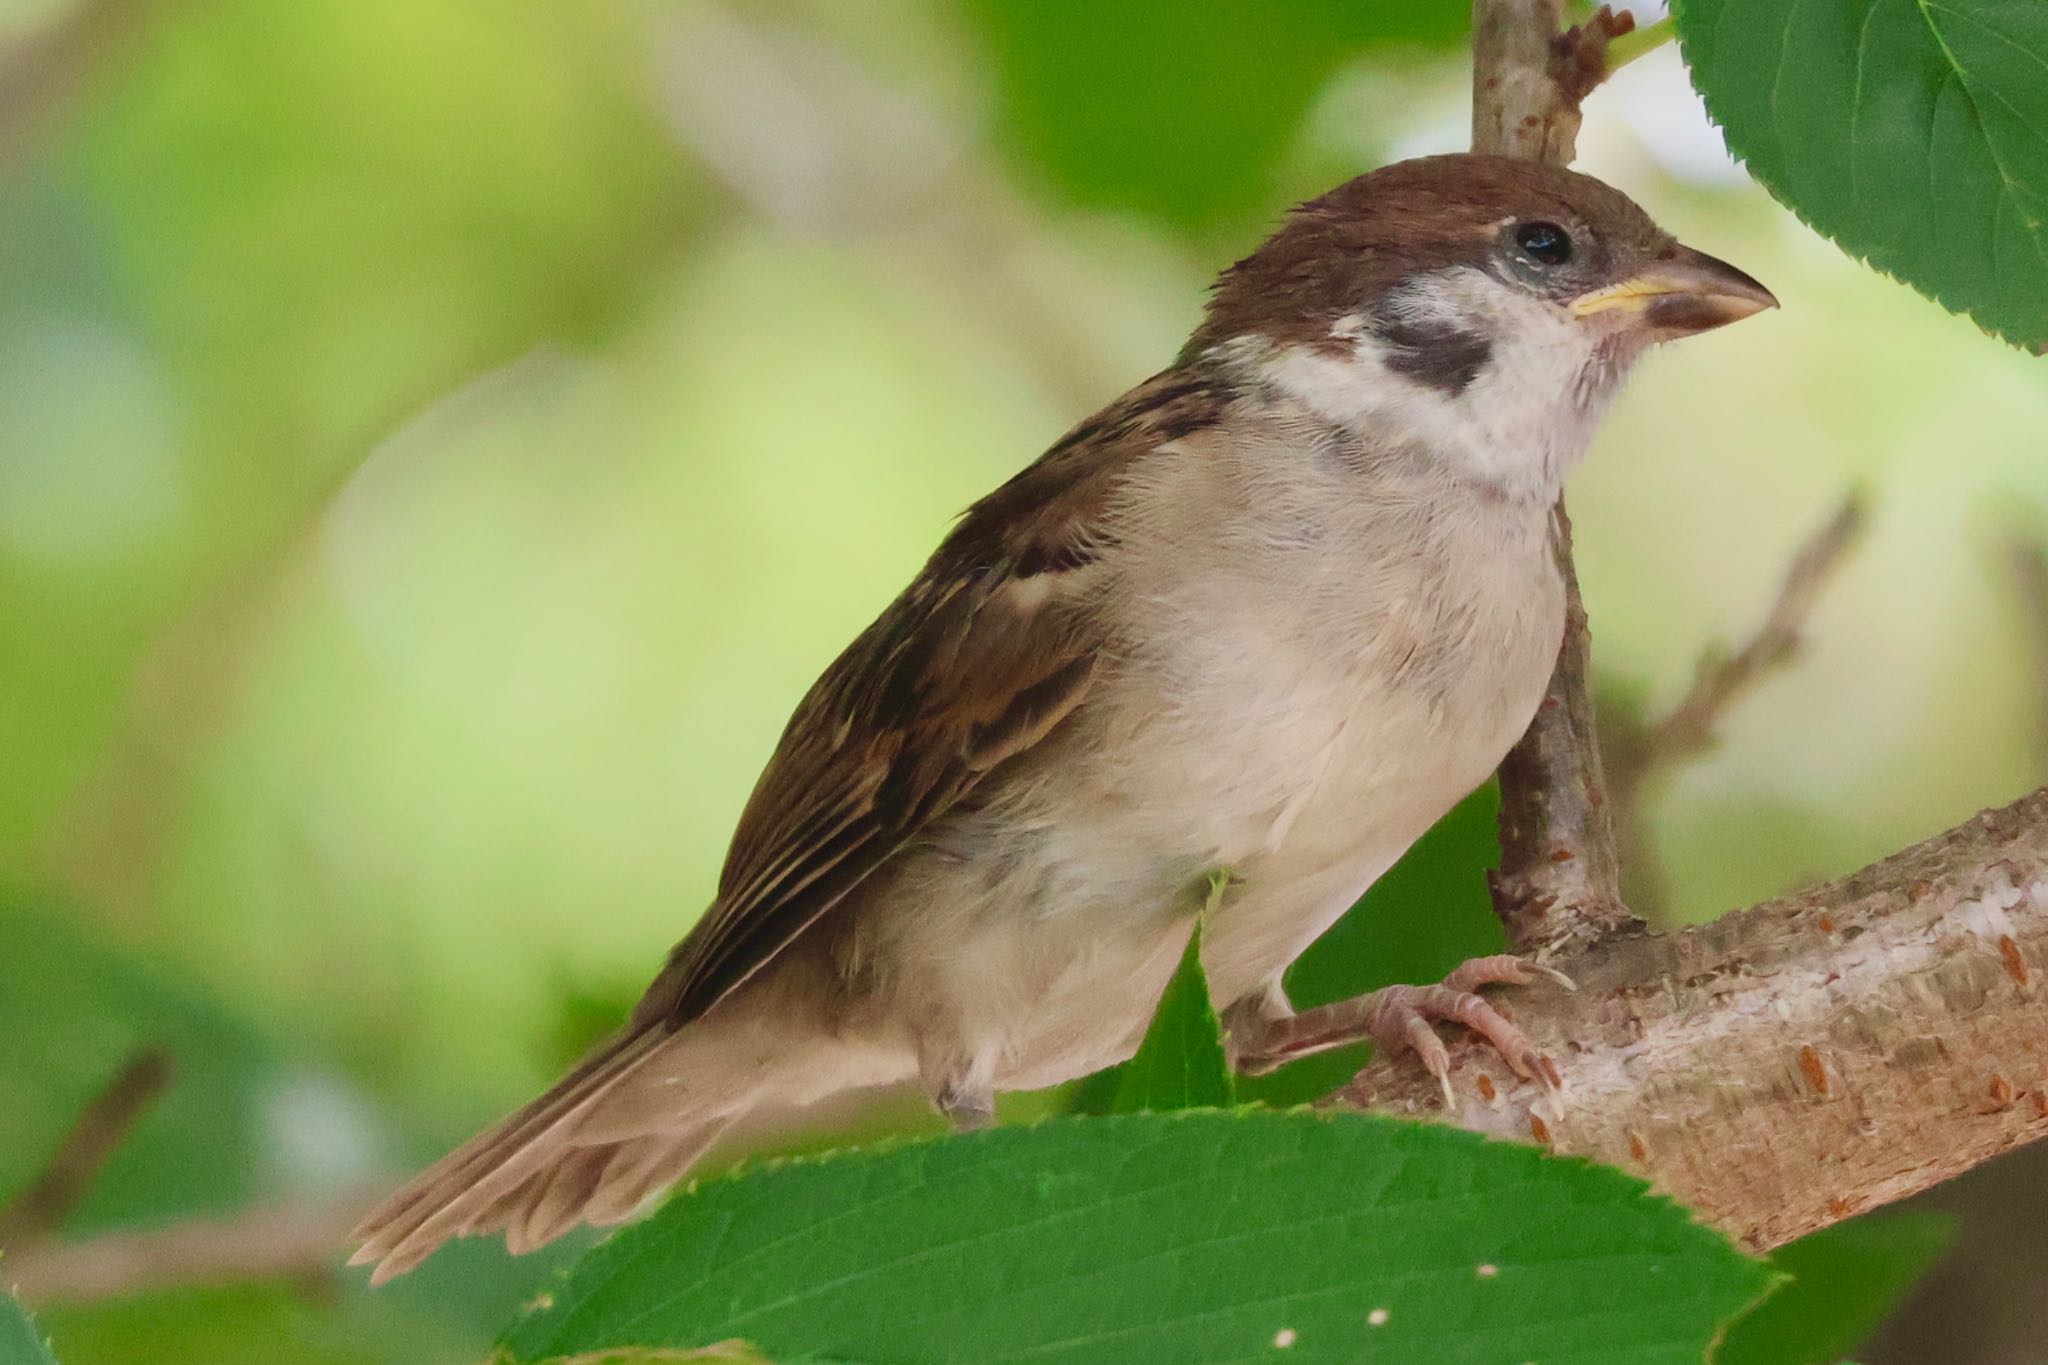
(1482, 302)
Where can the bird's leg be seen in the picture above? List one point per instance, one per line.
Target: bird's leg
(968, 1110)
(962, 1092)
(1398, 1018)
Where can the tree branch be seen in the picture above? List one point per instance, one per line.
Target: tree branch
(286, 1241)
(1559, 881)
(1796, 1063)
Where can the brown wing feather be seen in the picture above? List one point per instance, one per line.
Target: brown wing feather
(961, 673)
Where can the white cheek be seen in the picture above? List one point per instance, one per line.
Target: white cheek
(1518, 426)
(1533, 410)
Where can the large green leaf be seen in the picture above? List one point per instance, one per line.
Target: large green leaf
(20, 1342)
(1844, 1280)
(1182, 1238)
(1913, 132)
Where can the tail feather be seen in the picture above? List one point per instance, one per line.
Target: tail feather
(631, 1119)
(553, 1202)
(467, 1189)
(634, 1177)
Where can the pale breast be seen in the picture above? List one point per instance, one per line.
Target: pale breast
(1344, 663)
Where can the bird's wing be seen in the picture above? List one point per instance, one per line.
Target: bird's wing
(981, 658)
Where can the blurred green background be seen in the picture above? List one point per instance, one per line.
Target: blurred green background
(439, 443)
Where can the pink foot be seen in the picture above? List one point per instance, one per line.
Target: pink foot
(1402, 1018)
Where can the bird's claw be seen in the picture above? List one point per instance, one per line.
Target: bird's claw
(1401, 1018)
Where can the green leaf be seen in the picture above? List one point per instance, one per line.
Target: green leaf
(1912, 132)
(1180, 1065)
(1175, 110)
(1844, 1281)
(20, 1342)
(1176, 1238)
(723, 1353)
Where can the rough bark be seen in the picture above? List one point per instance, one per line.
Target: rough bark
(1559, 881)
(1798, 1062)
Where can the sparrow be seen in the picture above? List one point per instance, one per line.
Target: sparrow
(1271, 613)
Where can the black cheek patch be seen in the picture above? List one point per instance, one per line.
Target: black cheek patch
(1441, 354)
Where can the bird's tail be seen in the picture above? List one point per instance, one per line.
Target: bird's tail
(561, 1160)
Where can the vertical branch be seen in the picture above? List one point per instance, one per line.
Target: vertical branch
(1559, 880)
(1516, 109)
(2030, 576)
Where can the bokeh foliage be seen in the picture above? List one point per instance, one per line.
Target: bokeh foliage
(435, 452)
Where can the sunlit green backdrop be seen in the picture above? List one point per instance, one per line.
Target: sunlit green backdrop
(439, 442)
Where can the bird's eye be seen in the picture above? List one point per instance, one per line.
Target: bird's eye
(1544, 243)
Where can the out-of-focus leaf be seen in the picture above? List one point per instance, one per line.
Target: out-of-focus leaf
(270, 234)
(1172, 1238)
(1180, 1065)
(1844, 1281)
(1913, 134)
(20, 1342)
(1177, 110)
(254, 1324)
(73, 1014)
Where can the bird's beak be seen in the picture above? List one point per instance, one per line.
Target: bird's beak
(1682, 292)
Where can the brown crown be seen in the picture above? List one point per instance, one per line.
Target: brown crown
(1337, 253)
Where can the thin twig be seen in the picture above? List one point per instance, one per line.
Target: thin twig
(1724, 678)
(1559, 880)
(287, 1241)
(1530, 73)
(40, 1209)
(1639, 43)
